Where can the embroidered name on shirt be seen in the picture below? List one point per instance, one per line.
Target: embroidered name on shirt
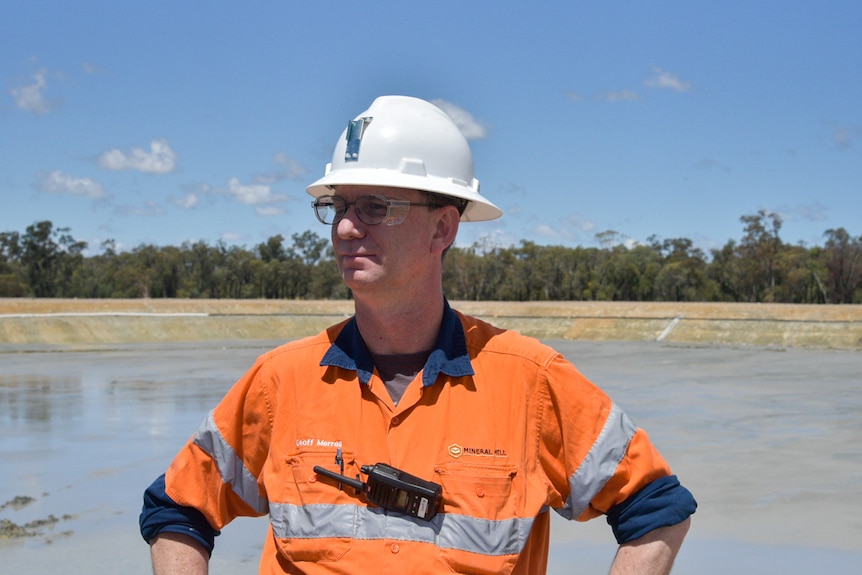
(317, 443)
(457, 451)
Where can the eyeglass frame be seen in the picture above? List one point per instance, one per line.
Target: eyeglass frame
(392, 218)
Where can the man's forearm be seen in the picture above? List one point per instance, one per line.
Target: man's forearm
(176, 554)
(652, 554)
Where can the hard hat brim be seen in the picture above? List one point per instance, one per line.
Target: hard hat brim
(478, 209)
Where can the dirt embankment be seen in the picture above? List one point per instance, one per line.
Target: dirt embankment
(96, 322)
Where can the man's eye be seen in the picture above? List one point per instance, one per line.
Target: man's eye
(376, 208)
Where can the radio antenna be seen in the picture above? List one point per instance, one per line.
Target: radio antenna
(354, 483)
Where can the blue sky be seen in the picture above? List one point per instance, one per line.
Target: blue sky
(165, 122)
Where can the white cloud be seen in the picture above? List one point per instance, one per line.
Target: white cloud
(57, 182)
(90, 68)
(161, 159)
(814, 211)
(621, 96)
(232, 237)
(253, 194)
(664, 79)
(186, 202)
(631, 243)
(469, 126)
(148, 209)
(268, 211)
(546, 231)
(290, 169)
(845, 136)
(32, 96)
(579, 222)
(567, 228)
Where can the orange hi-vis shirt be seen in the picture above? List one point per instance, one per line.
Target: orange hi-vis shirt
(507, 426)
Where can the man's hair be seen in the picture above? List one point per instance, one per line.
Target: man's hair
(440, 200)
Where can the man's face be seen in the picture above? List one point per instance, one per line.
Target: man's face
(382, 257)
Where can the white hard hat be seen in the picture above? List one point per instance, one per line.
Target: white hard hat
(404, 142)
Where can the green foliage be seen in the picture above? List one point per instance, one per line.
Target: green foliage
(46, 261)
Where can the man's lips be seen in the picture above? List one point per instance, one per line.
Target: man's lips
(355, 257)
(353, 252)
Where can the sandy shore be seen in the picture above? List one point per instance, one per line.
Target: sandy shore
(766, 438)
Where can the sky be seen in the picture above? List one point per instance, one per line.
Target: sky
(159, 123)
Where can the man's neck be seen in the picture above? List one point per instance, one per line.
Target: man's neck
(400, 327)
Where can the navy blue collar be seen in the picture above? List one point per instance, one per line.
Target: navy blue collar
(449, 355)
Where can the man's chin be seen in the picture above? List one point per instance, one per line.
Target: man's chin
(357, 279)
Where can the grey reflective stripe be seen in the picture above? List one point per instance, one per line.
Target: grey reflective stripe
(233, 471)
(600, 463)
(446, 530)
(485, 536)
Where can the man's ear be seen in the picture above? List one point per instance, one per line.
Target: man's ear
(448, 220)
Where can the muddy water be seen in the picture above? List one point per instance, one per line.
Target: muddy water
(83, 433)
(767, 439)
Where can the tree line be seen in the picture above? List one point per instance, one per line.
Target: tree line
(47, 261)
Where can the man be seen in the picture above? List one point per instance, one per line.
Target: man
(411, 438)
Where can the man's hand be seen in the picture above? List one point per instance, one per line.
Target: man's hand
(652, 554)
(176, 554)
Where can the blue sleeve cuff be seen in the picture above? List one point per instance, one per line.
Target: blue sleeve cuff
(662, 503)
(161, 514)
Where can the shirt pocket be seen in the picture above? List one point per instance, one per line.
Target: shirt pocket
(318, 520)
(483, 491)
(309, 487)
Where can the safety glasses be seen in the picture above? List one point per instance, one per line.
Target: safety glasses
(371, 210)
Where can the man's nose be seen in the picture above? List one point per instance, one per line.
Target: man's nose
(350, 225)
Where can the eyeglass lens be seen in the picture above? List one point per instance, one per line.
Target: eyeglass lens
(371, 210)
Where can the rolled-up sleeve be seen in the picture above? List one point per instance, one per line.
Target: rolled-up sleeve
(161, 514)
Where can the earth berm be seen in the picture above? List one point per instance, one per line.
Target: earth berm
(86, 323)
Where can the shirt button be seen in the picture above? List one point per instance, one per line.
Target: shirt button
(396, 420)
(394, 548)
(480, 492)
(312, 478)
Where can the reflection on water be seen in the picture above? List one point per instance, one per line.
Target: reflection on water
(84, 432)
(115, 391)
(38, 399)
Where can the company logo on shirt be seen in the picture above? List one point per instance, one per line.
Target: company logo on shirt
(457, 451)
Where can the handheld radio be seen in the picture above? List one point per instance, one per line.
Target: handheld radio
(394, 490)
